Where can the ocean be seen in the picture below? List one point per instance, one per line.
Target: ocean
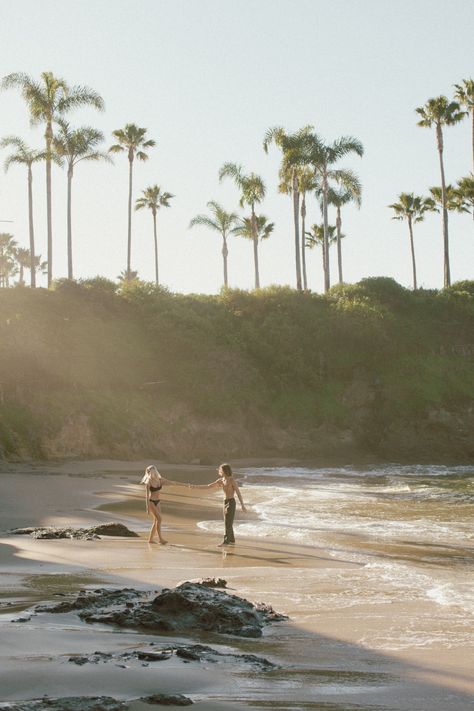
(408, 530)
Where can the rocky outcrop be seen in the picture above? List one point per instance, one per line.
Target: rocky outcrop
(84, 534)
(191, 653)
(95, 703)
(187, 608)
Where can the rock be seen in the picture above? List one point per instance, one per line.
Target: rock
(202, 653)
(85, 534)
(214, 582)
(154, 656)
(167, 700)
(188, 607)
(70, 703)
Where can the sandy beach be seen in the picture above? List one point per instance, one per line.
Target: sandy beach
(326, 655)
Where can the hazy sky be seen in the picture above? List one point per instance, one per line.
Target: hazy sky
(207, 78)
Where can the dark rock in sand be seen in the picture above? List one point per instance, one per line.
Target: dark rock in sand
(84, 534)
(167, 700)
(190, 653)
(202, 653)
(188, 607)
(70, 703)
(214, 582)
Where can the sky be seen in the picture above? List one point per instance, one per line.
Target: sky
(207, 78)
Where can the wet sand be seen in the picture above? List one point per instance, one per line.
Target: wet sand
(323, 664)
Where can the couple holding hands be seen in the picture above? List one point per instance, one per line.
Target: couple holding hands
(154, 482)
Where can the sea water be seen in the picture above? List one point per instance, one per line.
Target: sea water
(408, 530)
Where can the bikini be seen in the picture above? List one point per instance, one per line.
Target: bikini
(153, 489)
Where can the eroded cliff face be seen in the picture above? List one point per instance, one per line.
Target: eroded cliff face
(181, 436)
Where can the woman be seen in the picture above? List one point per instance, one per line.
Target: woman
(229, 487)
(154, 482)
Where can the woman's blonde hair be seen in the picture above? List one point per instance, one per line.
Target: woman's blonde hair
(151, 472)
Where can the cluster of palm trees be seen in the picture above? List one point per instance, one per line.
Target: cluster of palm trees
(14, 260)
(49, 100)
(308, 165)
(438, 113)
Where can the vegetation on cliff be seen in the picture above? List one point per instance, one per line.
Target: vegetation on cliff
(127, 369)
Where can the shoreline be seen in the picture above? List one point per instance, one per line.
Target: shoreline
(317, 647)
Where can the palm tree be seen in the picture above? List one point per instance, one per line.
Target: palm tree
(411, 208)
(8, 267)
(465, 96)
(252, 192)
(23, 259)
(439, 112)
(454, 199)
(39, 265)
(25, 156)
(222, 222)
(349, 189)
(126, 277)
(248, 227)
(74, 145)
(152, 199)
(316, 238)
(466, 190)
(48, 99)
(292, 146)
(132, 140)
(322, 157)
(306, 183)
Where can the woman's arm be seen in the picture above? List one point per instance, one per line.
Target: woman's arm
(147, 497)
(172, 482)
(237, 491)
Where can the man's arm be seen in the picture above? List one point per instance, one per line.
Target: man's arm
(237, 491)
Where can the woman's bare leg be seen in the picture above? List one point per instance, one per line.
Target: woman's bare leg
(157, 525)
(152, 531)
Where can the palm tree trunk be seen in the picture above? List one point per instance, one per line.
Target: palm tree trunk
(225, 253)
(303, 241)
(447, 271)
(296, 220)
(472, 131)
(412, 247)
(31, 228)
(339, 248)
(155, 237)
(49, 137)
(255, 248)
(129, 233)
(327, 277)
(69, 222)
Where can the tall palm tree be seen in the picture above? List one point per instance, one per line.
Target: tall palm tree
(466, 190)
(48, 99)
(8, 266)
(132, 140)
(316, 238)
(252, 192)
(74, 145)
(439, 112)
(222, 222)
(247, 227)
(411, 208)
(307, 183)
(323, 156)
(465, 96)
(153, 199)
(349, 189)
(292, 146)
(23, 155)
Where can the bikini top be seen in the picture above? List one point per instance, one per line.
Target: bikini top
(156, 488)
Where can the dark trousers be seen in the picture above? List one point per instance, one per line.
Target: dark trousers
(229, 513)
